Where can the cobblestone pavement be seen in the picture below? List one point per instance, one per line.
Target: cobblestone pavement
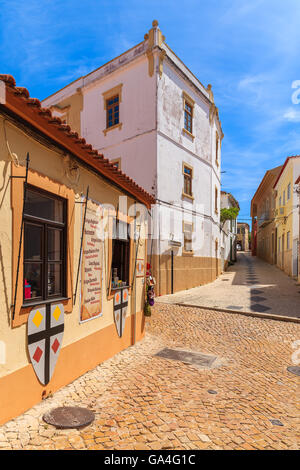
(142, 401)
(250, 285)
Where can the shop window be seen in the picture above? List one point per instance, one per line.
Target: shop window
(44, 246)
(187, 180)
(120, 255)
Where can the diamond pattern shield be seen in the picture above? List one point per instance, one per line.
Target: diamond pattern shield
(120, 309)
(45, 330)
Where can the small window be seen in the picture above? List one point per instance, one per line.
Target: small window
(216, 200)
(289, 192)
(188, 117)
(188, 109)
(283, 203)
(280, 201)
(112, 111)
(288, 240)
(187, 182)
(120, 254)
(187, 234)
(117, 163)
(44, 246)
(217, 148)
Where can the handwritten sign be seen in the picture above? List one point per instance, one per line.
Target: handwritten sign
(92, 264)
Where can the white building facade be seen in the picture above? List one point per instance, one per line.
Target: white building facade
(147, 112)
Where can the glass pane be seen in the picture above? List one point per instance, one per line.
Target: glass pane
(32, 280)
(39, 205)
(54, 244)
(116, 99)
(54, 278)
(32, 242)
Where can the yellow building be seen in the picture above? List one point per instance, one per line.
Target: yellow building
(72, 275)
(263, 212)
(287, 216)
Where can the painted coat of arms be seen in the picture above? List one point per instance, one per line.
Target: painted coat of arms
(45, 330)
(120, 309)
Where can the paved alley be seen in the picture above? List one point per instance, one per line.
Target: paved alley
(250, 285)
(246, 399)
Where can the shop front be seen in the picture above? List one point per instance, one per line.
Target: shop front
(72, 254)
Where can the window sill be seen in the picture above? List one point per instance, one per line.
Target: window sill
(35, 303)
(112, 127)
(188, 196)
(185, 131)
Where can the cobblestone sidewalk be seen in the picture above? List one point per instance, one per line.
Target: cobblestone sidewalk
(142, 401)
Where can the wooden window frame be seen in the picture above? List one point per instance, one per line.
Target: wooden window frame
(184, 251)
(185, 194)
(57, 189)
(188, 100)
(47, 224)
(107, 95)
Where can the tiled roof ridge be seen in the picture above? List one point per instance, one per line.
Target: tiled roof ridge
(115, 174)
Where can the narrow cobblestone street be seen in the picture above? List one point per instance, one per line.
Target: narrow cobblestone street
(250, 285)
(142, 401)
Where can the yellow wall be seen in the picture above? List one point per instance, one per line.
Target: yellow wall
(44, 161)
(284, 223)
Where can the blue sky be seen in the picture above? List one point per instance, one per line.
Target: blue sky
(248, 51)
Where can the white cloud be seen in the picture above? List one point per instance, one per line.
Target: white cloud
(292, 115)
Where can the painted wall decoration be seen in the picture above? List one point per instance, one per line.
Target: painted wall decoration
(120, 309)
(45, 330)
(140, 267)
(92, 264)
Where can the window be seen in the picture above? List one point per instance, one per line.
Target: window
(283, 202)
(188, 117)
(187, 237)
(44, 246)
(120, 254)
(112, 99)
(188, 108)
(288, 241)
(289, 192)
(117, 163)
(187, 180)
(112, 111)
(216, 200)
(280, 201)
(217, 148)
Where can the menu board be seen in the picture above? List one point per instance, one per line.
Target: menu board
(92, 264)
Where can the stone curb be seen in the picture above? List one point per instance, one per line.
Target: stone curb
(268, 316)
